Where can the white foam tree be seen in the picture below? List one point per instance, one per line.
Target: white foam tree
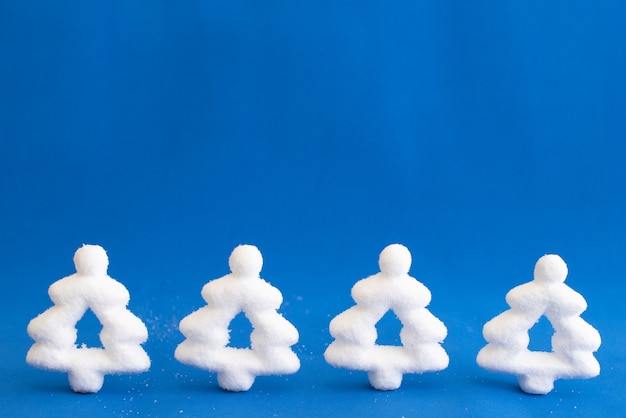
(355, 332)
(55, 334)
(573, 341)
(207, 334)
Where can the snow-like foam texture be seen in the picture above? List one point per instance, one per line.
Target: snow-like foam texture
(355, 333)
(207, 334)
(573, 342)
(55, 334)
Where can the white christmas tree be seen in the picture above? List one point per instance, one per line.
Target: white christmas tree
(207, 334)
(55, 334)
(573, 342)
(355, 333)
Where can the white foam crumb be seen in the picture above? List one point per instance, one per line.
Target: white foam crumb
(207, 334)
(55, 334)
(355, 333)
(573, 342)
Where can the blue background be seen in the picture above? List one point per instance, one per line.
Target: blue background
(481, 135)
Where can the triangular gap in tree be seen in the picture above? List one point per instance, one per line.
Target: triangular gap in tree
(541, 335)
(240, 330)
(88, 328)
(388, 329)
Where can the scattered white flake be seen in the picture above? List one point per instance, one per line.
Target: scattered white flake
(573, 342)
(355, 333)
(207, 334)
(55, 334)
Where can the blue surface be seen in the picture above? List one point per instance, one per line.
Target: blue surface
(480, 136)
